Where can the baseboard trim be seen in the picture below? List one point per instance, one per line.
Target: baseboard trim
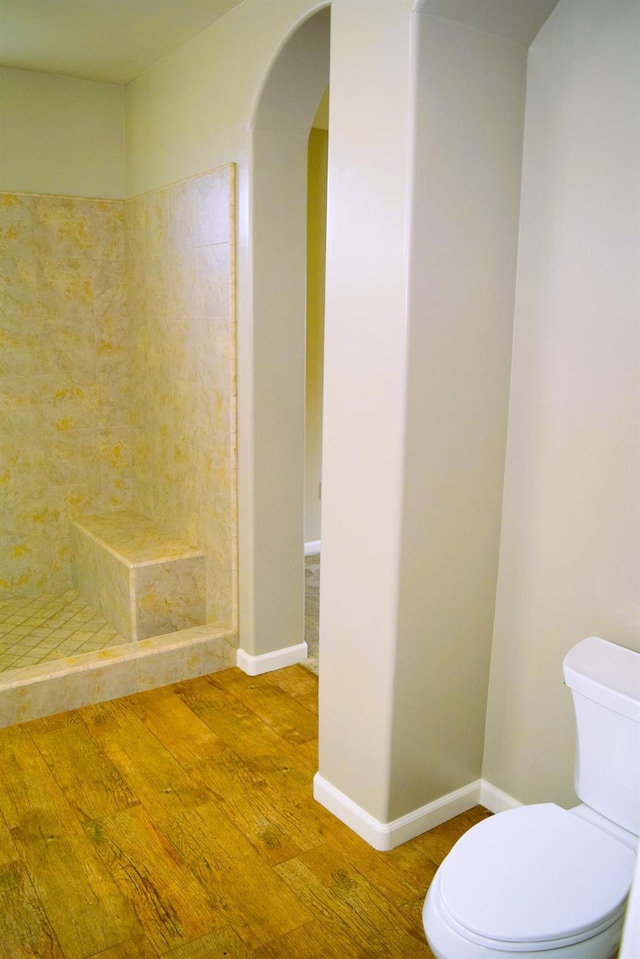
(312, 548)
(267, 662)
(386, 836)
(494, 799)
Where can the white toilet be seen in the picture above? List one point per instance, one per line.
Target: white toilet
(540, 880)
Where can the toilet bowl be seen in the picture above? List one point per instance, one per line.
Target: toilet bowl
(543, 881)
(537, 880)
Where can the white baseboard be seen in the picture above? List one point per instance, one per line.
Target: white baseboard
(494, 799)
(267, 662)
(311, 548)
(386, 836)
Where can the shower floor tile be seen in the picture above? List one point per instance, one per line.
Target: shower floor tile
(50, 627)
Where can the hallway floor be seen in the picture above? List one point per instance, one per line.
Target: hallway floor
(312, 610)
(51, 627)
(180, 822)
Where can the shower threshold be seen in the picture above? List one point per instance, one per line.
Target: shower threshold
(58, 653)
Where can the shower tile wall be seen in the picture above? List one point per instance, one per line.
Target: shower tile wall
(65, 427)
(181, 282)
(117, 376)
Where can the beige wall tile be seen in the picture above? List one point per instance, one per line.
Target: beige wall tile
(110, 681)
(19, 345)
(108, 235)
(62, 227)
(167, 666)
(183, 365)
(118, 318)
(17, 215)
(18, 298)
(214, 197)
(169, 596)
(64, 344)
(218, 653)
(64, 285)
(213, 280)
(35, 699)
(19, 405)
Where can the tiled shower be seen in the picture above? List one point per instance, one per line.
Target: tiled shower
(117, 392)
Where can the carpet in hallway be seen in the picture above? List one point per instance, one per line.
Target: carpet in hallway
(311, 607)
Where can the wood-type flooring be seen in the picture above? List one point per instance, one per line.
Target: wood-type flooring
(180, 823)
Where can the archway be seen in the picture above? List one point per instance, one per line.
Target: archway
(271, 359)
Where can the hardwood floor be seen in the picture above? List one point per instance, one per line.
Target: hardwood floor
(180, 822)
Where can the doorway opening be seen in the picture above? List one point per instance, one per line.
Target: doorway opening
(271, 414)
(316, 264)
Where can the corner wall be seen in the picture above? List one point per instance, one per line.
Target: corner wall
(570, 543)
(369, 203)
(467, 167)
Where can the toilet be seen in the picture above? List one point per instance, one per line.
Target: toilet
(540, 880)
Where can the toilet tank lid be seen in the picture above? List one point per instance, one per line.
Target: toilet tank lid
(606, 673)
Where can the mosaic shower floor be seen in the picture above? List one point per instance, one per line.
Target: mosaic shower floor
(50, 627)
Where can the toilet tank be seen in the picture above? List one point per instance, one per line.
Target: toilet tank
(605, 682)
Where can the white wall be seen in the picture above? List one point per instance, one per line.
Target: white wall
(570, 547)
(369, 202)
(275, 409)
(60, 135)
(468, 152)
(192, 110)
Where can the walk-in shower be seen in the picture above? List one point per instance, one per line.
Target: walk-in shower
(117, 393)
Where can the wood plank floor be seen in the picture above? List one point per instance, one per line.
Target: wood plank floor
(180, 822)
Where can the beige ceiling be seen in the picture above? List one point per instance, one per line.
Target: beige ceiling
(108, 40)
(115, 40)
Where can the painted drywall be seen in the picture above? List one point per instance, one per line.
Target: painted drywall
(321, 119)
(272, 523)
(516, 22)
(192, 110)
(468, 153)
(61, 135)
(316, 245)
(570, 546)
(369, 198)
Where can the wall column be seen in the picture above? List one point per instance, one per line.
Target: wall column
(369, 196)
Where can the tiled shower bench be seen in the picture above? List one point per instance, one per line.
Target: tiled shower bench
(144, 582)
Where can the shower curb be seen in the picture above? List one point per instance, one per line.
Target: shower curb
(59, 685)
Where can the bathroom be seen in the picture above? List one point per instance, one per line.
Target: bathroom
(563, 537)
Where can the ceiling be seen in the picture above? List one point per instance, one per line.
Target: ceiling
(108, 40)
(113, 41)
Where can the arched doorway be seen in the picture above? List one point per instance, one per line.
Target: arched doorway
(271, 357)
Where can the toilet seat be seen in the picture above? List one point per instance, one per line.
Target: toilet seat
(536, 877)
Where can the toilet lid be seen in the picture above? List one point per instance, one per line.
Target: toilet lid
(536, 874)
